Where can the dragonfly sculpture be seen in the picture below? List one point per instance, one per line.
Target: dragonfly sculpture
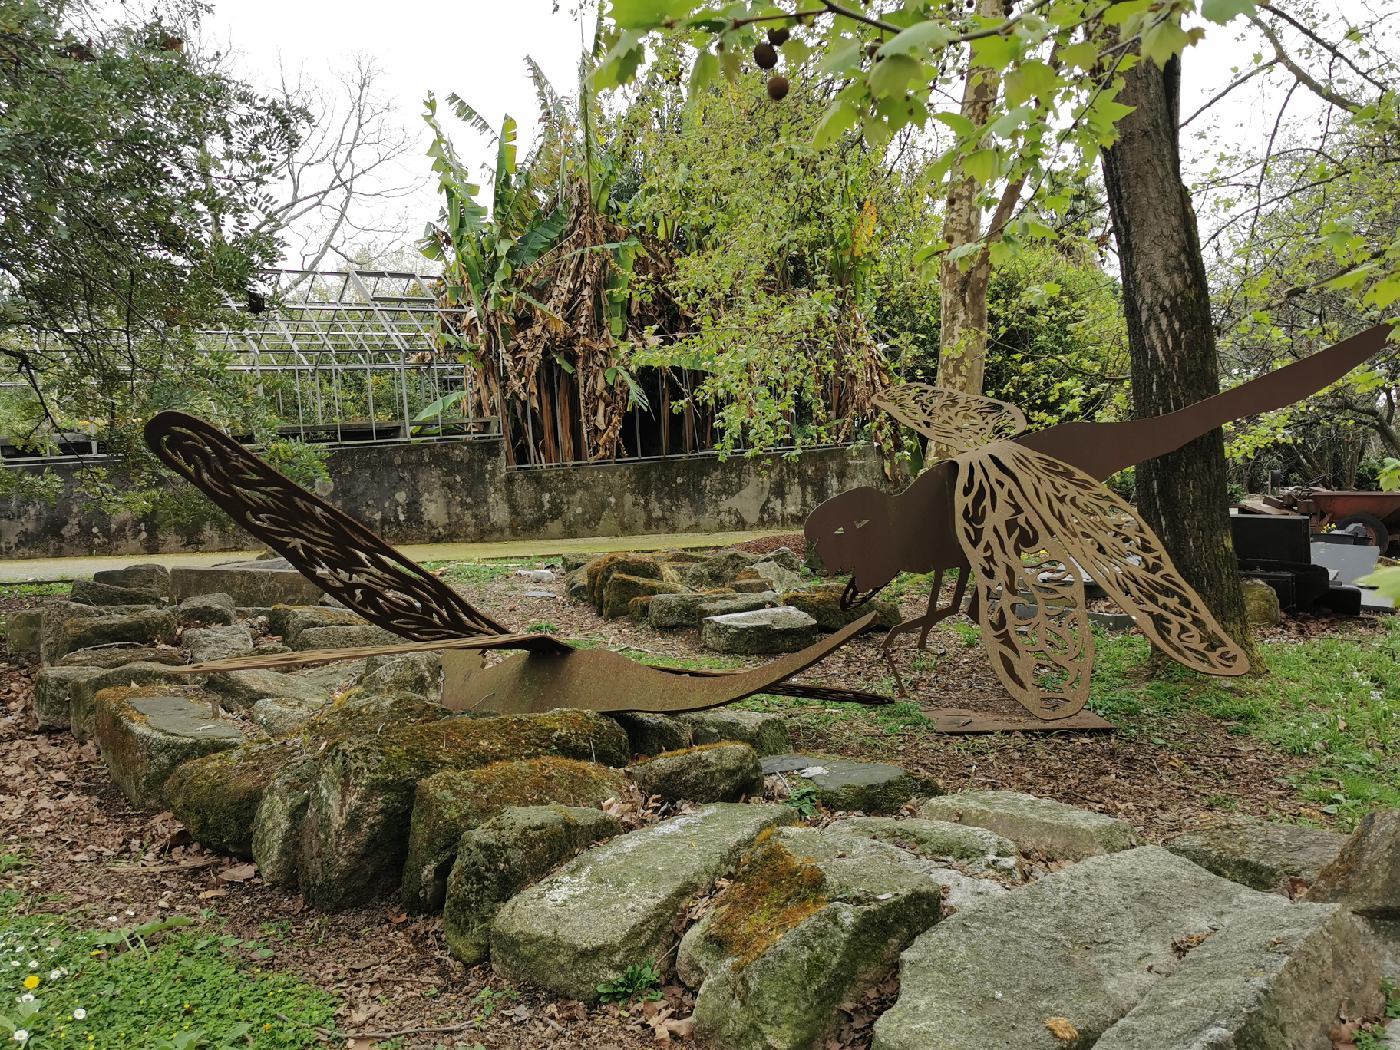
(357, 568)
(1026, 516)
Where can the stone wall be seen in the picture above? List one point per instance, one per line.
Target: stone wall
(462, 491)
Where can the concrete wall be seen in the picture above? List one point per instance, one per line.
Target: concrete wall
(462, 491)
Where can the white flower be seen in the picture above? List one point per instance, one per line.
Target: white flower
(80, 1014)
(21, 1035)
(27, 997)
(55, 974)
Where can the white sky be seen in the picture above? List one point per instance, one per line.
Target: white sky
(477, 48)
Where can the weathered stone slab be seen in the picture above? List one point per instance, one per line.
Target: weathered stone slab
(1085, 944)
(143, 739)
(53, 695)
(780, 630)
(70, 627)
(500, 858)
(1261, 855)
(728, 604)
(1276, 979)
(778, 576)
(143, 576)
(1036, 825)
(82, 705)
(811, 920)
(282, 714)
(651, 734)
(716, 570)
(766, 733)
(216, 643)
(600, 570)
(289, 621)
(206, 610)
(1365, 876)
(249, 583)
(616, 905)
(355, 836)
(843, 784)
(90, 592)
(24, 632)
(447, 804)
(410, 673)
(344, 637)
(108, 656)
(668, 612)
(246, 688)
(941, 841)
(707, 773)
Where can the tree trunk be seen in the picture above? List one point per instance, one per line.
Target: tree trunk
(1171, 338)
(962, 283)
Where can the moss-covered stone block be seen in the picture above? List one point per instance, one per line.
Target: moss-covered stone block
(90, 592)
(497, 860)
(846, 785)
(290, 620)
(763, 731)
(447, 804)
(217, 796)
(53, 695)
(1260, 854)
(823, 604)
(622, 588)
(83, 698)
(206, 610)
(723, 772)
(810, 921)
(600, 570)
(651, 734)
(24, 632)
(1040, 826)
(245, 688)
(144, 737)
(69, 627)
(356, 831)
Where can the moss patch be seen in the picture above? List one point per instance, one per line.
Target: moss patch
(773, 891)
(216, 797)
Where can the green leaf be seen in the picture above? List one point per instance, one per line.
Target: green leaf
(1033, 79)
(923, 36)
(962, 127)
(995, 52)
(1084, 55)
(702, 73)
(1164, 40)
(892, 75)
(838, 118)
(842, 59)
(647, 14)
(981, 165)
(1222, 11)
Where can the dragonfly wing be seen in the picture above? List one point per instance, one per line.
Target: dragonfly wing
(1108, 539)
(1030, 597)
(341, 556)
(954, 422)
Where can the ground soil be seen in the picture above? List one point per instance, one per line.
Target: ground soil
(92, 856)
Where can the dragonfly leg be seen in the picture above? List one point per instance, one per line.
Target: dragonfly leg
(942, 614)
(918, 621)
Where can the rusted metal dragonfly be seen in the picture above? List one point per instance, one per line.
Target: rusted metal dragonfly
(362, 572)
(1025, 515)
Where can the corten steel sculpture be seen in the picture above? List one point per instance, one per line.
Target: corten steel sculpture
(1026, 515)
(363, 573)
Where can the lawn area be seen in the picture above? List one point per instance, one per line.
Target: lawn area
(177, 984)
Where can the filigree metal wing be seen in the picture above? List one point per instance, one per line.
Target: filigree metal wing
(955, 423)
(1030, 598)
(345, 559)
(1012, 501)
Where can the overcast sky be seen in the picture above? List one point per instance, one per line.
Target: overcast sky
(477, 48)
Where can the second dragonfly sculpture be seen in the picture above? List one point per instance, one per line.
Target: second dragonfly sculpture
(1026, 516)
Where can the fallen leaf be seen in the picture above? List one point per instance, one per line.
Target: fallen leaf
(239, 873)
(1062, 1028)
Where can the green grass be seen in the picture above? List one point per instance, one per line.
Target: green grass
(1333, 700)
(35, 590)
(170, 986)
(486, 571)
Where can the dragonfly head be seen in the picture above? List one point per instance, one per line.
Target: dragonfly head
(854, 533)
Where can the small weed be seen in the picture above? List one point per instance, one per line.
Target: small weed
(804, 800)
(12, 862)
(638, 983)
(482, 571)
(488, 1001)
(543, 627)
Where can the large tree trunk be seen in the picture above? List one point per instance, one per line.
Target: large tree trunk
(1171, 338)
(962, 283)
